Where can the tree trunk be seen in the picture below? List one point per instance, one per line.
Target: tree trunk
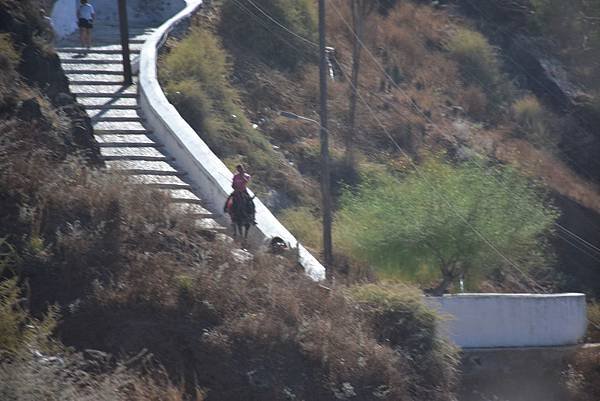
(449, 274)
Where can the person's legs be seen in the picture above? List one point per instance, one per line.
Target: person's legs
(82, 36)
(89, 37)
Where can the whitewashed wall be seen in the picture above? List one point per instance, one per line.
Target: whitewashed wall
(513, 320)
(205, 170)
(64, 17)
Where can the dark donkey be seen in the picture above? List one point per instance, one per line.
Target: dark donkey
(240, 208)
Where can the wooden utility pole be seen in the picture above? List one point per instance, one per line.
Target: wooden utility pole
(325, 174)
(123, 25)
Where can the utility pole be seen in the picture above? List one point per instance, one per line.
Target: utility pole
(325, 174)
(123, 25)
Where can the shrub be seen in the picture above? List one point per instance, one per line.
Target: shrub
(400, 319)
(305, 226)
(476, 57)
(34, 377)
(534, 122)
(583, 375)
(9, 58)
(434, 220)
(479, 66)
(250, 29)
(475, 102)
(593, 312)
(195, 75)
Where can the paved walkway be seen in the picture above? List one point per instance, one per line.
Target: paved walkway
(126, 145)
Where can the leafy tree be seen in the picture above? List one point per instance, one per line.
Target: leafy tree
(407, 224)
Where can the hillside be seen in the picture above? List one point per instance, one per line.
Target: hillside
(107, 294)
(432, 82)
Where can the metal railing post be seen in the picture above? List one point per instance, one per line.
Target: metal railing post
(123, 25)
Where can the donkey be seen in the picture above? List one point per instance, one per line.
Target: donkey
(240, 208)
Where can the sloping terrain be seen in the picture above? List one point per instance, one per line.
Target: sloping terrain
(431, 82)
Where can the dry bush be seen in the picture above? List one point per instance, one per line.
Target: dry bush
(475, 102)
(33, 376)
(400, 319)
(593, 312)
(266, 39)
(475, 56)
(583, 375)
(130, 275)
(258, 331)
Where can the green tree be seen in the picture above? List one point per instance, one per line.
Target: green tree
(407, 224)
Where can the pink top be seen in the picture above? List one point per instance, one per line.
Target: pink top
(240, 181)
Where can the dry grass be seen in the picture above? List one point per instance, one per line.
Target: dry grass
(583, 375)
(33, 376)
(138, 276)
(593, 312)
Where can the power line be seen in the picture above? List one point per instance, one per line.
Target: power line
(266, 26)
(430, 121)
(536, 80)
(479, 234)
(577, 237)
(462, 218)
(310, 42)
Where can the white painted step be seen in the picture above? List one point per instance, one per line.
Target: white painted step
(111, 127)
(103, 89)
(122, 140)
(161, 181)
(209, 224)
(84, 68)
(92, 79)
(80, 57)
(192, 209)
(182, 195)
(132, 153)
(134, 48)
(104, 101)
(142, 167)
(108, 112)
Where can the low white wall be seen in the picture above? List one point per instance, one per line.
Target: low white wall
(64, 17)
(205, 170)
(512, 320)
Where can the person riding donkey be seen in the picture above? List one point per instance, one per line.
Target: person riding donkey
(240, 199)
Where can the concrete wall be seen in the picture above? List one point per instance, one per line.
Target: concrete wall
(64, 17)
(512, 320)
(205, 170)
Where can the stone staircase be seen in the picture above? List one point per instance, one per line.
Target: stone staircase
(125, 144)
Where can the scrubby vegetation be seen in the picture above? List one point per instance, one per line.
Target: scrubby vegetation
(101, 266)
(442, 219)
(430, 81)
(574, 28)
(195, 75)
(111, 269)
(583, 375)
(267, 37)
